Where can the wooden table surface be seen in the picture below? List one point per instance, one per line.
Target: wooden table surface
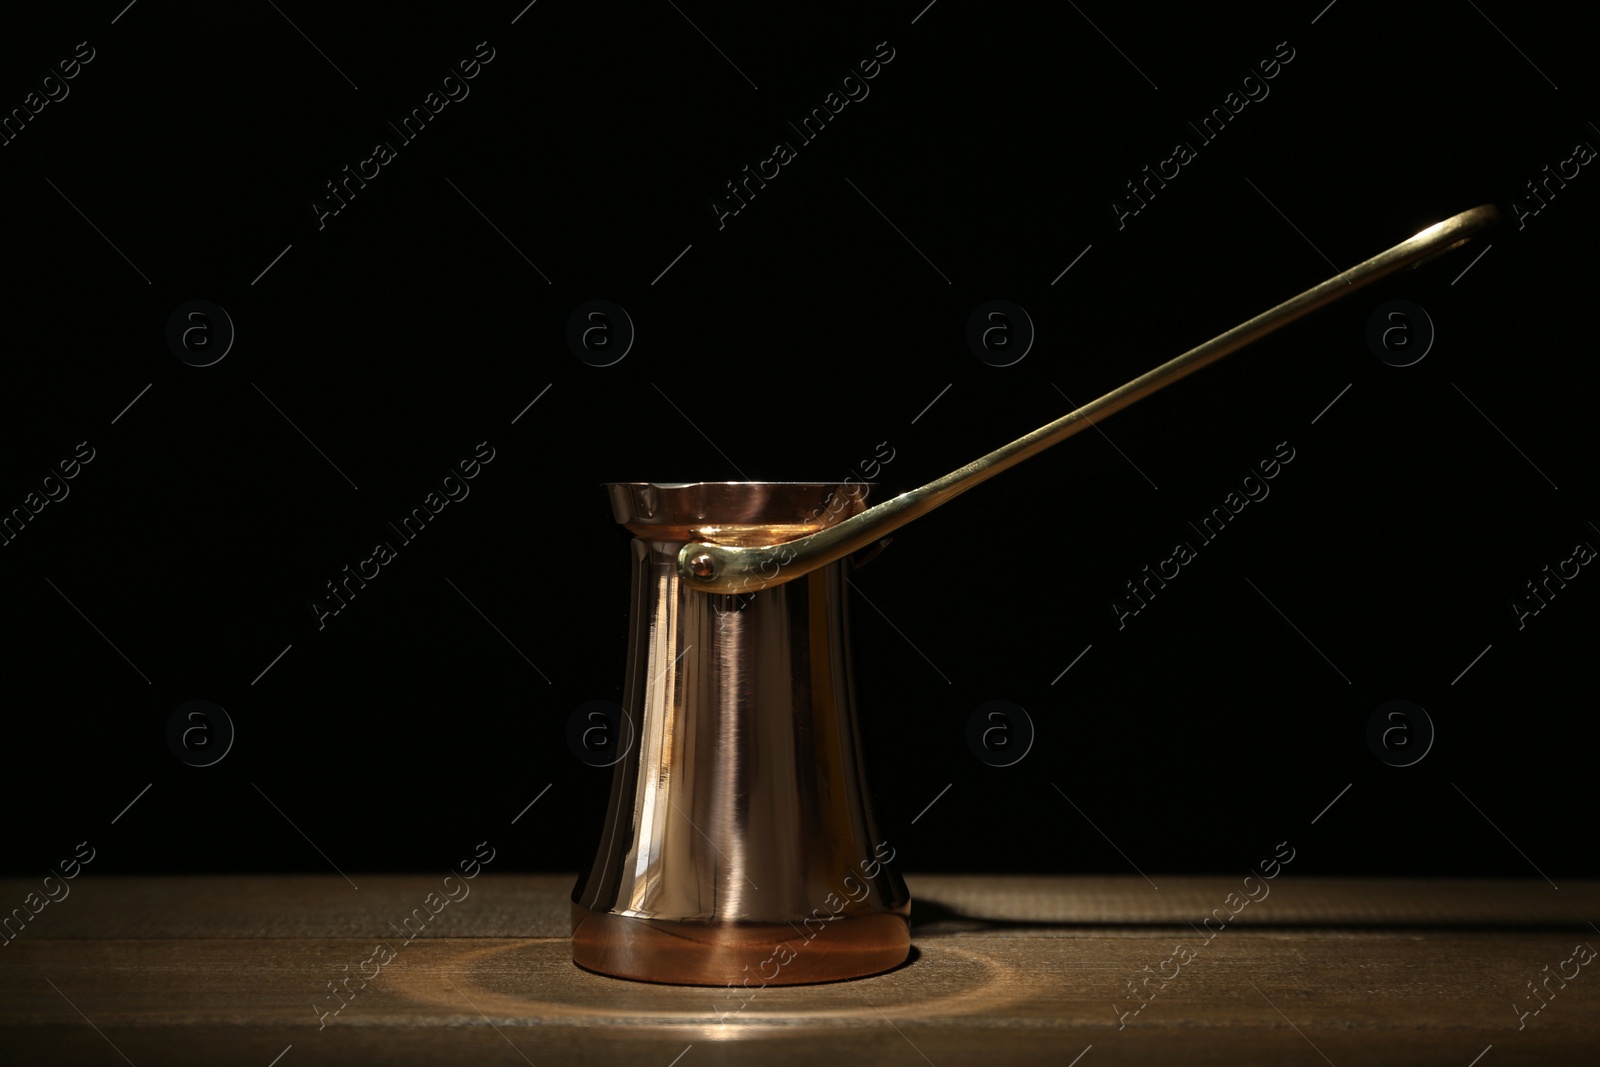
(1006, 970)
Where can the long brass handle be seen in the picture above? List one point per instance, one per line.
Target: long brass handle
(727, 569)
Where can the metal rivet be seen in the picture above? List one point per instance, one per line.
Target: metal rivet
(702, 566)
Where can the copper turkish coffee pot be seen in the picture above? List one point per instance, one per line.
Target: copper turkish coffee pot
(739, 845)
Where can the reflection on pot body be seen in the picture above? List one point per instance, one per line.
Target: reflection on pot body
(745, 797)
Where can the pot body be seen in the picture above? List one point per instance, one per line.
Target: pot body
(739, 845)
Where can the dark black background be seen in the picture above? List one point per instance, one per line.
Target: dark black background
(798, 337)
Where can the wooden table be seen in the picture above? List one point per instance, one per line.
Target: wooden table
(1006, 970)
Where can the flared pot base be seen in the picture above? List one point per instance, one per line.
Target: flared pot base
(747, 955)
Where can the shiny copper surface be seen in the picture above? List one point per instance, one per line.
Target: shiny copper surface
(745, 514)
(739, 845)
